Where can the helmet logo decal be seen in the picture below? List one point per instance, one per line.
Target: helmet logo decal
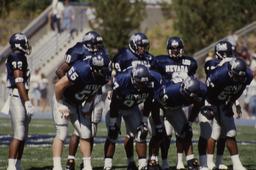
(175, 43)
(20, 37)
(98, 61)
(222, 47)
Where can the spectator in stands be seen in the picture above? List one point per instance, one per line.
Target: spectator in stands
(43, 88)
(250, 98)
(91, 14)
(245, 55)
(233, 39)
(253, 61)
(57, 10)
(35, 90)
(69, 16)
(210, 56)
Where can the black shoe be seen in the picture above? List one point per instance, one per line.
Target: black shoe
(70, 164)
(132, 166)
(81, 166)
(193, 164)
(153, 165)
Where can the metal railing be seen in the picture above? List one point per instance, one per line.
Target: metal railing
(210, 48)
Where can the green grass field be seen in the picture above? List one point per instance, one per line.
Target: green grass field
(39, 157)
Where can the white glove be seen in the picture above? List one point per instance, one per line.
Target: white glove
(29, 108)
(63, 109)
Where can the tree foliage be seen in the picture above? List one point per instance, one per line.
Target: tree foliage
(203, 22)
(116, 20)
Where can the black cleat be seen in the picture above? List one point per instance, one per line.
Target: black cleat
(132, 166)
(81, 166)
(70, 164)
(193, 164)
(153, 165)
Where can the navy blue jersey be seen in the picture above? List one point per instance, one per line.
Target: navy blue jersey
(176, 68)
(210, 65)
(84, 83)
(77, 52)
(128, 95)
(125, 59)
(171, 97)
(221, 88)
(17, 61)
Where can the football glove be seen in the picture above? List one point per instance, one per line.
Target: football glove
(113, 132)
(63, 110)
(142, 131)
(29, 108)
(207, 112)
(238, 111)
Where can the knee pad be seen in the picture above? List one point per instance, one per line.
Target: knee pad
(97, 113)
(231, 133)
(94, 129)
(20, 134)
(61, 132)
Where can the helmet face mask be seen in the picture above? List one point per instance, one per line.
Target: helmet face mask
(140, 76)
(93, 41)
(223, 49)
(139, 44)
(237, 70)
(175, 47)
(190, 88)
(20, 42)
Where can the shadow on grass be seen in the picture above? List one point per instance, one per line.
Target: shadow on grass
(42, 168)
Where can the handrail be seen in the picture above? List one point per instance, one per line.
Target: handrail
(210, 48)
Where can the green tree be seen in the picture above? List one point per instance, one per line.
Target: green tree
(203, 22)
(116, 20)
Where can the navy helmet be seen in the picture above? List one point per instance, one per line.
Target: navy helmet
(223, 49)
(100, 64)
(93, 41)
(190, 88)
(237, 70)
(19, 41)
(175, 47)
(139, 44)
(140, 76)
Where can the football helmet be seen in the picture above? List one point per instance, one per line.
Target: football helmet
(19, 41)
(237, 70)
(93, 41)
(190, 88)
(140, 76)
(139, 44)
(175, 47)
(223, 49)
(100, 64)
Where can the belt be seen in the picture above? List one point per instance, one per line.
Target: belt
(15, 93)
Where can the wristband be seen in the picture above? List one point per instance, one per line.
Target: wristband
(19, 80)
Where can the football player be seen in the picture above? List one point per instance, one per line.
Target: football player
(20, 107)
(91, 43)
(81, 83)
(172, 97)
(137, 53)
(223, 53)
(225, 84)
(176, 67)
(131, 88)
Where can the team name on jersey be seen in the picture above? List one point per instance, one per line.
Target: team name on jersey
(92, 87)
(137, 96)
(145, 63)
(176, 68)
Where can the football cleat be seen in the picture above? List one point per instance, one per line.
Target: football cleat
(180, 165)
(193, 165)
(153, 165)
(70, 164)
(222, 167)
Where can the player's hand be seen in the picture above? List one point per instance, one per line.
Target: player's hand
(207, 112)
(160, 131)
(29, 108)
(113, 132)
(63, 110)
(86, 110)
(142, 130)
(238, 111)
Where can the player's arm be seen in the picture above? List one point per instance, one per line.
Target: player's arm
(62, 69)
(60, 86)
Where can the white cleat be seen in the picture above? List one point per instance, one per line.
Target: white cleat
(222, 167)
(180, 165)
(211, 165)
(203, 168)
(11, 168)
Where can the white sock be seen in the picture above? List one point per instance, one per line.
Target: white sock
(179, 157)
(165, 164)
(71, 157)
(87, 162)
(11, 162)
(189, 157)
(203, 160)
(108, 163)
(236, 161)
(142, 163)
(129, 160)
(57, 163)
(218, 160)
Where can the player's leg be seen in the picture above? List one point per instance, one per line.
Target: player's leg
(73, 145)
(220, 150)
